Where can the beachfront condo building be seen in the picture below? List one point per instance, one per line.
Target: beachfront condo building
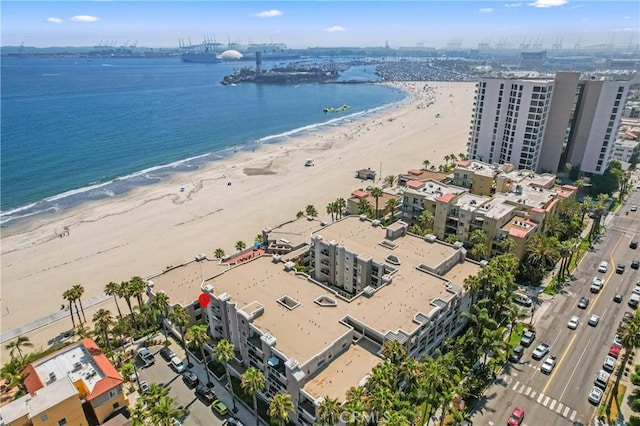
(317, 333)
(499, 200)
(67, 386)
(541, 124)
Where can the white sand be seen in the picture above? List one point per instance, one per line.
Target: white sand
(153, 227)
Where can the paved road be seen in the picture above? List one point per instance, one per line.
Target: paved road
(561, 397)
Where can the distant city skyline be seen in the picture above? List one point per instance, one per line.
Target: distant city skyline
(300, 24)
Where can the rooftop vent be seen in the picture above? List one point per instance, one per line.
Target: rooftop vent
(388, 244)
(52, 377)
(326, 301)
(77, 366)
(376, 222)
(430, 238)
(393, 259)
(368, 291)
(363, 217)
(288, 302)
(200, 256)
(288, 266)
(275, 258)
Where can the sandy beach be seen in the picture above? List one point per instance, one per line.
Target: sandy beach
(156, 226)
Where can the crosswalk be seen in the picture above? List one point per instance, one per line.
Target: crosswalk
(542, 399)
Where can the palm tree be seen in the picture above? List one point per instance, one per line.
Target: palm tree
(364, 207)
(394, 351)
(280, 408)
(381, 399)
(138, 288)
(161, 302)
(102, 319)
(629, 334)
(426, 164)
(252, 382)
(68, 296)
(223, 353)
(340, 205)
(240, 245)
(179, 316)
(331, 209)
(394, 419)
(198, 335)
(219, 253)
(328, 412)
(300, 214)
(391, 205)
(165, 411)
(425, 219)
(310, 210)
(17, 345)
(78, 289)
(390, 181)
(113, 289)
(377, 193)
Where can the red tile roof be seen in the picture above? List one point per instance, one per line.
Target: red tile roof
(463, 163)
(112, 377)
(415, 184)
(537, 210)
(359, 194)
(415, 171)
(446, 198)
(32, 381)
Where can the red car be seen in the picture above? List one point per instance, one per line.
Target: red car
(614, 351)
(516, 417)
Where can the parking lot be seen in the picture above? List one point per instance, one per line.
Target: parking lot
(160, 372)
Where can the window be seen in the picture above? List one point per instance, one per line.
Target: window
(113, 393)
(62, 422)
(116, 405)
(44, 417)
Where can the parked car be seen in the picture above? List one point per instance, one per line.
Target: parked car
(602, 379)
(144, 386)
(146, 357)
(595, 395)
(515, 356)
(527, 338)
(609, 363)
(583, 302)
(635, 264)
(594, 320)
(573, 322)
(540, 351)
(548, 364)
(516, 417)
(190, 379)
(633, 244)
(523, 300)
(617, 298)
(596, 284)
(634, 207)
(234, 421)
(166, 354)
(614, 351)
(620, 268)
(617, 341)
(177, 364)
(220, 407)
(203, 392)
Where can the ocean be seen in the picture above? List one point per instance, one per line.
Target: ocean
(77, 130)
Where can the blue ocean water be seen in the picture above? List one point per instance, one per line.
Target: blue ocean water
(75, 130)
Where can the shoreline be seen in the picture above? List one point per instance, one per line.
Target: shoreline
(155, 226)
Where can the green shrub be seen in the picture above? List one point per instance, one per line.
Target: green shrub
(634, 420)
(635, 404)
(635, 379)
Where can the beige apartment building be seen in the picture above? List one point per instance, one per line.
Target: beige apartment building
(61, 383)
(319, 333)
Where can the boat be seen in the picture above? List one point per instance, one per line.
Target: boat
(201, 57)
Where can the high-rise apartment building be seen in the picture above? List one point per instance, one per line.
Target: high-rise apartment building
(542, 124)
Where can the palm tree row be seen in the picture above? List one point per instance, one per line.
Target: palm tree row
(336, 208)
(73, 296)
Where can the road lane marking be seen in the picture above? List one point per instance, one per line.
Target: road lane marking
(546, 401)
(540, 398)
(553, 373)
(528, 390)
(560, 407)
(533, 394)
(521, 388)
(575, 368)
(566, 411)
(573, 415)
(553, 404)
(515, 385)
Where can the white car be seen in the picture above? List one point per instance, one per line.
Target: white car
(540, 351)
(596, 284)
(609, 363)
(144, 386)
(573, 322)
(603, 266)
(636, 290)
(595, 395)
(548, 364)
(594, 320)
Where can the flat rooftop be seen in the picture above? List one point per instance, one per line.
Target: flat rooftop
(182, 284)
(75, 362)
(346, 370)
(497, 207)
(52, 395)
(309, 328)
(295, 233)
(470, 201)
(434, 189)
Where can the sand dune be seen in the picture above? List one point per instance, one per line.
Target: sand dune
(153, 227)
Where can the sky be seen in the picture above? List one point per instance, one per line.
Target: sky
(302, 24)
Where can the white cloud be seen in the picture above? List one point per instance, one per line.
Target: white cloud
(486, 10)
(84, 18)
(548, 3)
(335, 29)
(52, 20)
(513, 5)
(269, 13)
